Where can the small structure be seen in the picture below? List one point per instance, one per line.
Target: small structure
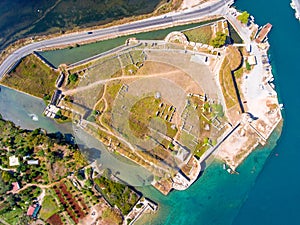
(248, 48)
(13, 161)
(51, 111)
(60, 80)
(252, 60)
(33, 162)
(263, 33)
(30, 210)
(56, 97)
(33, 210)
(157, 95)
(16, 186)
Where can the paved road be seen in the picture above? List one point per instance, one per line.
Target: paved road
(218, 7)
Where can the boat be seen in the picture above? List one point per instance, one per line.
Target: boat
(281, 106)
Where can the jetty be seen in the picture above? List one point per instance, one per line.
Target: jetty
(295, 4)
(263, 33)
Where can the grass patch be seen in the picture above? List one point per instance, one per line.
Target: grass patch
(12, 216)
(141, 114)
(200, 35)
(32, 76)
(131, 69)
(227, 84)
(239, 73)
(200, 150)
(49, 207)
(235, 57)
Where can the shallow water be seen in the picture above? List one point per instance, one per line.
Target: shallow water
(25, 110)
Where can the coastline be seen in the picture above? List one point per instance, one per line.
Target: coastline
(267, 135)
(295, 4)
(262, 109)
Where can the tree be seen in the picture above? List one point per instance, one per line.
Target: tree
(58, 114)
(244, 17)
(248, 66)
(219, 40)
(3, 186)
(6, 176)
(73, 78)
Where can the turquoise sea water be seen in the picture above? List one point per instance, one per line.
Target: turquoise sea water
(267, 190)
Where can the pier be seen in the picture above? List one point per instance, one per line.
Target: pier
(263, 33)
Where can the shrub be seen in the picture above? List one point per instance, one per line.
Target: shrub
(219, 40)
(73, 78)
(244, 17)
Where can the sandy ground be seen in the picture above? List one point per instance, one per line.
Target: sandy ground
(236, 148)
(187, 4)
(261, 102)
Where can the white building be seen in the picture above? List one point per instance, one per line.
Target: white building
(13, 161)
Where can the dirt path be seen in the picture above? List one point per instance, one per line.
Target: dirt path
(79, 89)
(42, 186)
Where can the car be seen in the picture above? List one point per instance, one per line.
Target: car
(90, 32)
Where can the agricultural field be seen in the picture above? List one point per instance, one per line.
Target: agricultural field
(69, 203)
(49, 206)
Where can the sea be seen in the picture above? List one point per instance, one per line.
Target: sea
(267, 189)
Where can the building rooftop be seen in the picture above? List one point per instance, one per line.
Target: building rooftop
(30, 210)
(33, 162)
(13, 161)
(252, 60)
(16, 186)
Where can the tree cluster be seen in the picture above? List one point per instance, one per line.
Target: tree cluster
(219, 40)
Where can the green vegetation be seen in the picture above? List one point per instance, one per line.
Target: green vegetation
(14, 217)
(49, 207)
(117, 194)
(239, 73)
(244, 17)
(248, 66)
(200, 34)
(219, 40)
(201, 149)
(218, 110)
(48, 149)
(73, 78)
(32, 76)
(92, 116)
(46, 98)
(140, 115)
(112, 216)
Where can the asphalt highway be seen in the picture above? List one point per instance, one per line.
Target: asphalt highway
(218, 7)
